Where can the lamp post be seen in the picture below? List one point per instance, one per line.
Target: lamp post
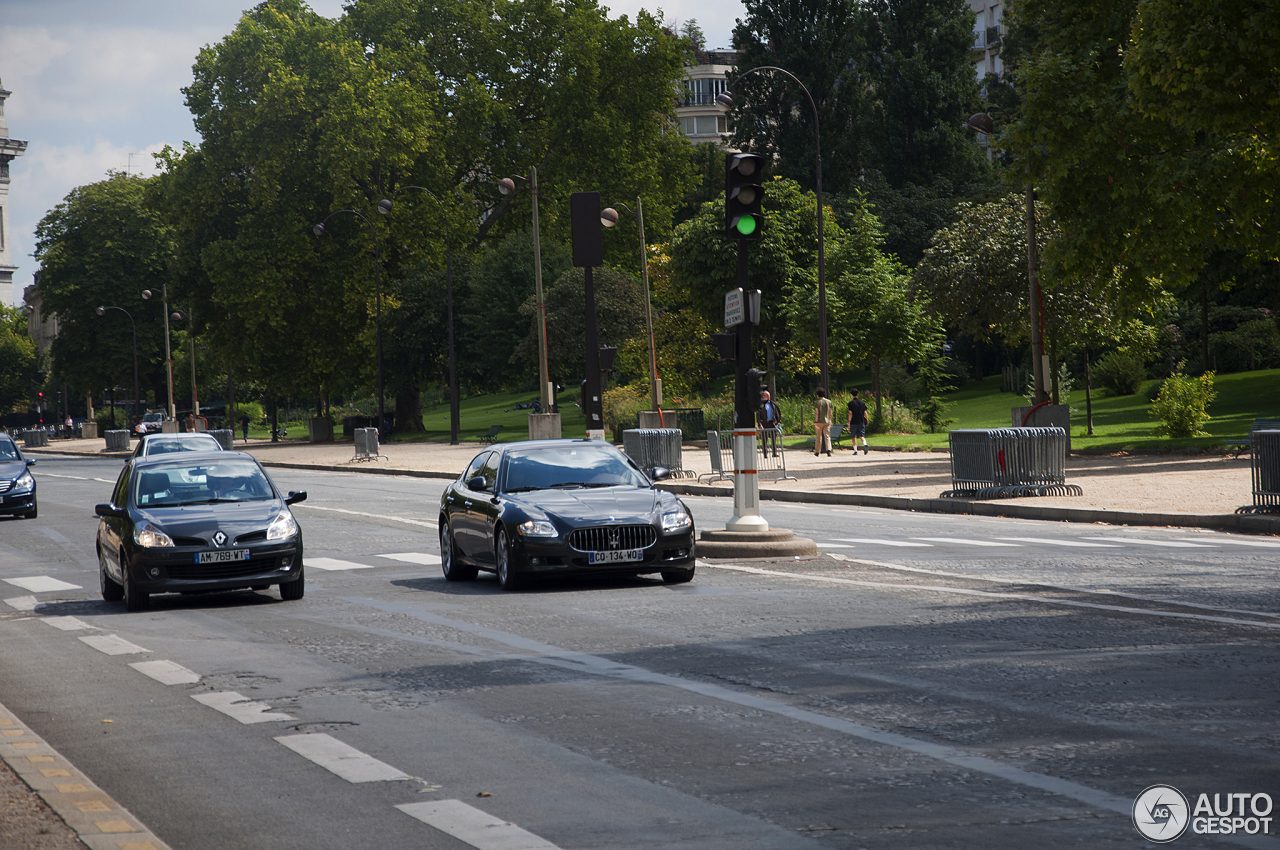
(609, 217)
(101, 311)
(318, 230)
(507, 186)
(725, 99)
(983, 123)
(168, 356)
(384, 207)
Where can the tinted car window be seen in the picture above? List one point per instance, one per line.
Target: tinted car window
(189, 443)
(490, 471)
(234, 480)
(477, 464)
(8, 451)
(568, 466)
(120, 493)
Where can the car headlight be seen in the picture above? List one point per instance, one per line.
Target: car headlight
(282, 527)
(677, 520)
(537, 528)
(150, 537)
(23, 482)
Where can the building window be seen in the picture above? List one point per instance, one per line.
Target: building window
(705, 125)
(702, 92)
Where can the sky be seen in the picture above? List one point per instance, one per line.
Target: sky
(97, 86)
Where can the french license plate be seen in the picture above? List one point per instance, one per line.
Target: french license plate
(616, 556)
(224, 556)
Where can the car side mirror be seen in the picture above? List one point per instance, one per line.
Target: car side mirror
(659, 473)
(296, 496)
(477, 483)
(108, 510)
(31, 461)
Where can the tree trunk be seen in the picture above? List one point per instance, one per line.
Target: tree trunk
(875, 386)
(1053, 365)
(1204, 328)
(1088, 391)
(409, 410)
(770, 365)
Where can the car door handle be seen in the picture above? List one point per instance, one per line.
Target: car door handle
(467, 503)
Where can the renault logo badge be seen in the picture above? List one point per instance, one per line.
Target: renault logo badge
(219, 539)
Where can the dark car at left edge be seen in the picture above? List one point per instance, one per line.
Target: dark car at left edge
(17, 484)
(193, 522)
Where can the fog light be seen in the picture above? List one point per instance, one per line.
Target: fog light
(287, 562)
(155, 572)
(537, 562)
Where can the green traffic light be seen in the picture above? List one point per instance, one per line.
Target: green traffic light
(746, 224)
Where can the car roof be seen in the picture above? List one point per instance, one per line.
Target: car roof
(548, 444)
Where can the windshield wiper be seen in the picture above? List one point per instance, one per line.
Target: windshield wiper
(523, 489)
(569, 485)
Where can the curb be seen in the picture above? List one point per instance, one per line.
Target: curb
(98, 821)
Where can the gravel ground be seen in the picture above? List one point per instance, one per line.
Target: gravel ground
(26, 822)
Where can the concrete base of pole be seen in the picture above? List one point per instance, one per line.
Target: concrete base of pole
(775, 543)
(544, 426)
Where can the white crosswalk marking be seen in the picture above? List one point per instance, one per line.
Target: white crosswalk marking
(41, 584)
(876, 541)
(422, 558)
(966, 542)
(472, 826)
(240, 708)
(22, 603)
(1050, 541)
(332, 564)
(1146, 541)
(166, 672)
(67, 624)
(112, 645)
(340, 759)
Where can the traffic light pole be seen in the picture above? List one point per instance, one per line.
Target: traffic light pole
(746, 481)
(592, 406)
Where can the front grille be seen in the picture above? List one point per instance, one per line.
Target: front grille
(605, 537)
(211, 572)
(251, 537)
(190, 541)
(5, 485)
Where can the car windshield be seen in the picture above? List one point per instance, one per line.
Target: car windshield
(165, 445)
(8, 451)
(233, 480)
(569, 467)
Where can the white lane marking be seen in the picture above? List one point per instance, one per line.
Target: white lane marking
(332, 564)
(415, 558)
(67, 624)
(166, 672)
(1173, 544)
(961, 541)
(22, 603)
(472, 826)
(826, 545)
(240, 708)
(371, 516)
(1050, 541)
(340, 759)
(44, 474)
(876, 541)
(41, 584)
(991, 594)
(1231, 541)
(112, 645)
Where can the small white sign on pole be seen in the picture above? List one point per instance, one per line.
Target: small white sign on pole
(734, 313)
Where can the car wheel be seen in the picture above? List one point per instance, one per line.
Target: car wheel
(111, 589)
(134, 599)
(677, 576)
(293, 590)
(507, 579)
(449, 564)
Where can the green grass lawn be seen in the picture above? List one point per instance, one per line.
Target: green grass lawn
(476, 415)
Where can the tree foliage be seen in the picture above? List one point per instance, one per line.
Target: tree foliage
(18, 363)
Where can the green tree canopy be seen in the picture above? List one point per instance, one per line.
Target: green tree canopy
(18, 363)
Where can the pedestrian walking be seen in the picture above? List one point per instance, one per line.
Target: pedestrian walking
(858, 419)
(822, 423)
(771, 421)
(244, 426)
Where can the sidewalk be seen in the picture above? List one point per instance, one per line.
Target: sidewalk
(1198, 490)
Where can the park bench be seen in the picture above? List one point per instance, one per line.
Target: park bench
(492, 437)
(1259, 424)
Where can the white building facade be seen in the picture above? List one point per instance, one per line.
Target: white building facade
(10, 149)
(698, 115)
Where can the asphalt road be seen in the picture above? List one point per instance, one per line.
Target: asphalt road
(930, 681)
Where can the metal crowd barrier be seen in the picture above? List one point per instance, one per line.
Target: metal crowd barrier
(720, 444)
(367, 445)
(1009, 463)
(117, 441)
(1265, 462)
(650, 447)
(225, 437)
(35, 438)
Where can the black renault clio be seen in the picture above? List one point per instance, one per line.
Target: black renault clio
(195, 522)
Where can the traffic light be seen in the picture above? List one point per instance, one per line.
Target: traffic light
(726, 345)
(754, 379)
(743, 195)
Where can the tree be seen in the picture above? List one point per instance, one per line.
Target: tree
(101, 246)
(19, 370)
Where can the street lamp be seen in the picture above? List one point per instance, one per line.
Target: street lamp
(983, 123)
(168, 357)
(384, 207)
(102, 311)
(725, 99)
(609, 217)
(318, 230)
(507, 186)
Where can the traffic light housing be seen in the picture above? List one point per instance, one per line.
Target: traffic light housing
(743, 196)
(755, 378)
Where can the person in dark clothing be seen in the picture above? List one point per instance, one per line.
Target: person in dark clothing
(858, 422)
(770, 419)
(244, 427)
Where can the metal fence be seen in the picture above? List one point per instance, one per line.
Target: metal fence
(650, 447)
(117, 441)
(1265, 462)
(1008, 463)
(366, 440)
(770, 457)
(35, 438)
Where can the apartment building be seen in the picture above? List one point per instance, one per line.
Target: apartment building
(699, 117)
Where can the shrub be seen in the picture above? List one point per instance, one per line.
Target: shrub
(1182, 406)
(622, 406)
(931, 412)
(1120, 373)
